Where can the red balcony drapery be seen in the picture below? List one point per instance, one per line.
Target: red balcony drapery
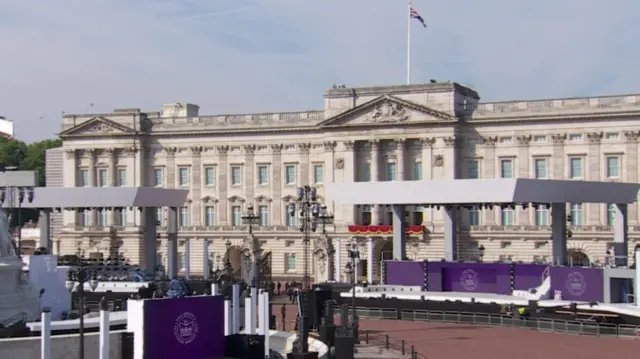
(382, 229)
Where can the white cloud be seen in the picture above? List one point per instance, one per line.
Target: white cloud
(270, 55)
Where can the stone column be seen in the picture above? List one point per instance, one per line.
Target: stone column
(187, 259)
(451, 158)
(427, 174)
(331, 252)
(170, 152)
(45, 225)
(400, 157)
(524, 161)
(93, 214)
(344, 214)
(376, 215)
(249, 172)
(595, 172)
(205, 261)
(113, 181)
(489, 171)
(631, 164)
(304, 149)
(559, 233)
(558, 155)
(277, 207)
(196, 186)
(222, 185)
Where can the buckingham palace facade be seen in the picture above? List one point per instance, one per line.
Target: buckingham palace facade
(385, 133)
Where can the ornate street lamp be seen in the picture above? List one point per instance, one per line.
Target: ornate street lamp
(309, 210)
(77, 277)
(250, 218)
(481, 249)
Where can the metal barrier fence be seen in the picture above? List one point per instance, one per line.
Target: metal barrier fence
(495, 320)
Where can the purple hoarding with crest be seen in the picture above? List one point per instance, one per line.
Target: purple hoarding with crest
(578, 283)
(186, 328)
(405, 273)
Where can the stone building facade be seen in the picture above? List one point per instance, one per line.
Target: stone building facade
(409, 132)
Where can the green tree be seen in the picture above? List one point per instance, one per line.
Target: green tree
(34, 159)
(12, 153)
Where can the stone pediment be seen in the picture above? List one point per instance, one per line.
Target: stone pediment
(97, 126)
(387, 110)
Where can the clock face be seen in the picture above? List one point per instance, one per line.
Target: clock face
(339, 163)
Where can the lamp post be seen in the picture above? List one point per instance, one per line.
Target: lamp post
(20, 194)
(250, 218)
(309, 210)
(354, 255)
(76, 279)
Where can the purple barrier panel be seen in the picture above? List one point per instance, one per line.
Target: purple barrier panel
(577, 283)
(503, 278)
(186, 328)
(434, 276)
(405, 273)
(529, 275)
(469, 279)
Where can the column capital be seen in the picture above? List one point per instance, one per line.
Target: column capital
(196, 150)
(490, 141)
(349, 145)
(375, 144)
(276, 148)
(222, 150)
(249, 149)
(524, 140)
(329, 145)
(304, 147)
(559, 138)
(427, 142)
(170, 151)
(631, 136)
(594, 137)
(70, 153)
(400, 143)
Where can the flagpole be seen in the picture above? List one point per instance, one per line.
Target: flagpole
(409, 44)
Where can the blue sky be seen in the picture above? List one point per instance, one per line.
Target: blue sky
(239, 56)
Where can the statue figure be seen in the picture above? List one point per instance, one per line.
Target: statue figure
(7, 245)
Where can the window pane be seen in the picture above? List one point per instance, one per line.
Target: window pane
(506, 169)
(183, 177)
(235, 176)
(210, 216)
(290, 262)
(236, 215)
(391, 172)
(541, 168)
(417, 171)
(507, 216)
(184, 216)
(158, 176)
(576, 168)
(474, 216)
(473, 169)
(103, 177)
(83, 178)
(264, 215)
(542, 216)
(577, 214)
(366, 172)
(290, 175)
(612, 167)
(160, 216)
(209, 176)
(318, 174)
(263, 176)
(122, 177)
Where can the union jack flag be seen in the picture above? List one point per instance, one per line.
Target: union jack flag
(414, 15)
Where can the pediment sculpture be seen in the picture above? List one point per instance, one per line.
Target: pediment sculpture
(389, 111)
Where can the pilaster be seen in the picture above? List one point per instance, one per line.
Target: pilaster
(523, 172)
(400, 154)
(450, 158)
(427, 174)
(488, 169)
(249, 172)
(631, 167)
(376, 215)
(595, 174)
(223, 184)
(304, 149)
(277, 209)
(196, 186)
(170, 152)
(558, 155)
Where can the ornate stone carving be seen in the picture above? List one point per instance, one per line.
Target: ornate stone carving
(349, 145)
(170, 151)
(130, 151)
(594, 137)
(375, 144)
(249, 149)
(70, 153)
(340, 163)
(400, 143)
(631, 135)
(196, 150)
(276, 148)
(427, 142)
(209, 199)
(524, 140)
(329, 145)
(112, 152)
(449, 141)
(304, 147)
(559, 138)
(100, 127)
(389, 111)
(438, 160)
(490, 141)
(222, 150)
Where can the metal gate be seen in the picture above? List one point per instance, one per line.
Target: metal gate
(264, 267)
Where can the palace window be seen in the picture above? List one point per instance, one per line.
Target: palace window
(183, 176)
(474, 216)
(507, 216)
(506, 168)
(542, 216)
(121, 179)
(613, 167)
(263, 212)
(236, 216)
(209, 216)
(83, 178)
(103, 177)
(263, 175)
(318, 174)
(158, 177)
(575, 168)
(236, 174)
(210, 176)
(183, 215)
(577, 215)
(541, 168)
